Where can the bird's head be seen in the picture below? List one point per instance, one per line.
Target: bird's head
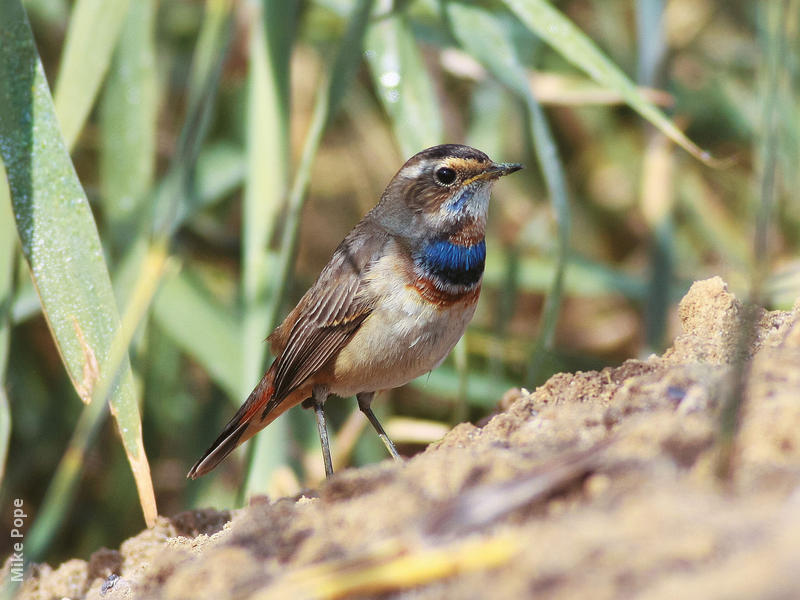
(439, 187)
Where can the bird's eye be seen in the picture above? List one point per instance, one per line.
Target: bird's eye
(445, 175)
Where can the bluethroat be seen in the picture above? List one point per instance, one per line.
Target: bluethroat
(391, 303)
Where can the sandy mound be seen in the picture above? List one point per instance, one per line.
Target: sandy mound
(598, 484)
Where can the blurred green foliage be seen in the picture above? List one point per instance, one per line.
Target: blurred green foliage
(252, 136)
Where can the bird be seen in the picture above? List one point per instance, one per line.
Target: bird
(389, 306)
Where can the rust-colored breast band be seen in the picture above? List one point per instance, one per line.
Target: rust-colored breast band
(430, 292)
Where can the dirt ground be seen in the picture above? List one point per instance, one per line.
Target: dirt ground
(596, 485)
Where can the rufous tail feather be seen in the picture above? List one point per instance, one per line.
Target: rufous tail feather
(251, 417)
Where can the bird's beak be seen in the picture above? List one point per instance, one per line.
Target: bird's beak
(497, 170)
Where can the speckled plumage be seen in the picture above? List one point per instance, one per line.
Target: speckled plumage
(391, 303)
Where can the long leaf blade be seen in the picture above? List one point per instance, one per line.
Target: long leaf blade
(494, 49)
(128, 115)
(178, 308)
(559, 32)
(267, 182)
(403, 85)
(327, 102)
(7, 252)
(59, 237)
(91, 37)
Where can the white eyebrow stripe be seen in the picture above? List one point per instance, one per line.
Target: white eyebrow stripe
(413, 171)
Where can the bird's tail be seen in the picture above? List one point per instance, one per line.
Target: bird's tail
(258, 411)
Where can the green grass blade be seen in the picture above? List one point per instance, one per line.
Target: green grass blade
(61, 490)
(25, 301)
(348, 57)
(494, 49)
(403, 85)
(194, 179)
(179, 306)
(178, 194)
(559, 32)
(267, 183)
(52, 12)
(656, 191)
(774, 31)
(220, 171)
(461, 364)
(8, 244)
(59, 237)
(267, 166)
(661, 272)
(128, 118)
(5, 428)
(327, 102)
(210, 44)
(650, 40)
(93, 31)
(217, 171)
(489, 124)
(718, 229)
(553, 172)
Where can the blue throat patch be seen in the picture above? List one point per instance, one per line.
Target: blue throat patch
(455, 264)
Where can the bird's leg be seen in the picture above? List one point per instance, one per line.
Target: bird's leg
(364, 401)
(319, 395)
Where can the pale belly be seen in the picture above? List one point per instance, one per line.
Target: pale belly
(405, 338)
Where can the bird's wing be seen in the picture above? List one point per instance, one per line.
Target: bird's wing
(329, 314)
(320, 325)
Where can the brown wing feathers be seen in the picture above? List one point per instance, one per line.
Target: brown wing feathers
(311, 335)
(330, 314)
